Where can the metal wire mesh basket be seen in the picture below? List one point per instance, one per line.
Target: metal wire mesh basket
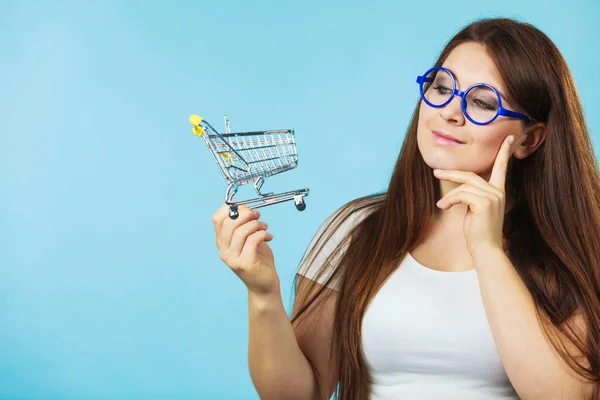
(247, 157)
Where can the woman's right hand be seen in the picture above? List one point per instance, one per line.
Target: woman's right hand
(242, 245)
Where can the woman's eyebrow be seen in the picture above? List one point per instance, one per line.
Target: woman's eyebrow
(504, 100)
(502, 96)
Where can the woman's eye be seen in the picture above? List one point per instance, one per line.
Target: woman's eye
(442, 89)
(483, 105)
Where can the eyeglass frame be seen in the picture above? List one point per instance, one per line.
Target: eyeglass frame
(421, 79)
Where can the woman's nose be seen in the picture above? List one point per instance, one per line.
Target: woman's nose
(452, 112)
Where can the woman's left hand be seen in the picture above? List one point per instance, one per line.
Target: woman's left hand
(485, 201)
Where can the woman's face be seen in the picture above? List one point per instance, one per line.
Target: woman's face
(470, 64)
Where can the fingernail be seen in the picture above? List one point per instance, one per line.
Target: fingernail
(438, 171)
(265, 224)
(511, 140)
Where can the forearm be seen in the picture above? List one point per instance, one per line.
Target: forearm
(535, 369)
(278, 368)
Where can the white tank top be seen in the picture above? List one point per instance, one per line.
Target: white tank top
(425, 334)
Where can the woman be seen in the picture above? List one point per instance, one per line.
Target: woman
(481, 281)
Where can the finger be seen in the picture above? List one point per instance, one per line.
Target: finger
(229, 225)
(218, 217)
(464, 177)
(251, 246)
(222, 213)
(241, 234)
(468, 188)
(498, 177)
(474, 202)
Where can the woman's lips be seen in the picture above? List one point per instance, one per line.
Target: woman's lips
(444, 141)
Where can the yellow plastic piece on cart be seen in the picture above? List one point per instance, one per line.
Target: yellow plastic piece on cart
(227, 156)
(195, 119)
(197, 129)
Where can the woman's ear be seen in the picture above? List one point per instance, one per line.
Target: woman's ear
(531, 138)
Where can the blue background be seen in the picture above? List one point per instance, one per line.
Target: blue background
(110, 281)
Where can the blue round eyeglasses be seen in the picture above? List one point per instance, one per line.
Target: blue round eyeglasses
(481, 103)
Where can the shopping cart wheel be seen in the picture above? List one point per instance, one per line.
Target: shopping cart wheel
(300, 205)
(233, 212)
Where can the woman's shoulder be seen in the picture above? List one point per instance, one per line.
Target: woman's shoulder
(332, 239)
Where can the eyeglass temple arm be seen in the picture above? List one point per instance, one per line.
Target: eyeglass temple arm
(421, 79)
(513, 114)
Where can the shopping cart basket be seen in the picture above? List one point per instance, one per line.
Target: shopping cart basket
(251, 157)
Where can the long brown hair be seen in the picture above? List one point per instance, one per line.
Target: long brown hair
(552, 231)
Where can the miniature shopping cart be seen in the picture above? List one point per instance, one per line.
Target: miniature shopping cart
(251, 157)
